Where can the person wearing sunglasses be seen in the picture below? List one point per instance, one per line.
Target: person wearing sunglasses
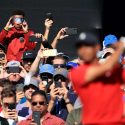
(62, 97)
(9, 112)
(27, 59)
(24, 106)
(16, 33)
(60, 60)
(39, 104)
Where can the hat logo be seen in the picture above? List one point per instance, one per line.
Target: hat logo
(28, 54)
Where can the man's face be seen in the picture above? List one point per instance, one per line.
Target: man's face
(27, 64)
(17, 24)
(1, 89)
(29, 90)
(39, 104)
(88, 53)
(6, 101)
(58, 61)
(14, 77)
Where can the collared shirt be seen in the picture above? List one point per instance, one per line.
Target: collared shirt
(102, 98)
(48, 120)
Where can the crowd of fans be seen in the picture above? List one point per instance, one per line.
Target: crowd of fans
(40, 86)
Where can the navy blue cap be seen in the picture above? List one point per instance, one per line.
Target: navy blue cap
(29, 55)
(87, 38)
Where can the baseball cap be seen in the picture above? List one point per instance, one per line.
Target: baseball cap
(87, 38)
(33, 81)
(65, 56)
(29, 55)
(61, 71)
(46, 68)
(13, 64)
(109, 40)
(72, 64)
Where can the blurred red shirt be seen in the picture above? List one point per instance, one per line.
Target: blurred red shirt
(48, 120)
(102, 99)
(17, 42)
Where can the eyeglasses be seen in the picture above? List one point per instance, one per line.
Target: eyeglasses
(59, 66)
(40, 103)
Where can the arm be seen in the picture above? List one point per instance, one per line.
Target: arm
(59, 36)
(53, 94)
(34, 66)
(64, 91)
(48, 25)
(4, 32)
(94, 72)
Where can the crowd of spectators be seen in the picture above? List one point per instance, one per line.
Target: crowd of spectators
(41, 86)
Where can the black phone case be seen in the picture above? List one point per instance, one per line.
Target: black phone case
(12, 106)
(36, 117)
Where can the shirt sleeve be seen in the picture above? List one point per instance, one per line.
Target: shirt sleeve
(30, 45)
(3, 34)
(77, 76)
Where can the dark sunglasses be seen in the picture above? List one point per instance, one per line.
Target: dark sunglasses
(40, 103)
(46, 75)
(59, 66)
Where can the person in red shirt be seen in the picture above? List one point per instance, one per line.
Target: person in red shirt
(39, 103)
(16, 35)
(98, 85)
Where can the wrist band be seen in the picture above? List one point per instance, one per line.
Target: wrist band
(6, 29)
(67, 103)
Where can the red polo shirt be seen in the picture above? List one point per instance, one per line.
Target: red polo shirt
(48, 120)
(102, 98)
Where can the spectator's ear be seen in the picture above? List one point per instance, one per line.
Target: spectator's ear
(98, 47)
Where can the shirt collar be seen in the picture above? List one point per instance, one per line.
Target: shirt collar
(47, 116)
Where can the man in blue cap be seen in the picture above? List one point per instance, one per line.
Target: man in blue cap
(46, 72)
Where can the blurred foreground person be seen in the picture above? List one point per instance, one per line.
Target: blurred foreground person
(39, 108)
(98, 85)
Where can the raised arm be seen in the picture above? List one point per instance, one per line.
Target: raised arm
(4, 32)
(59, 36)
(94, 72)
(48, 24)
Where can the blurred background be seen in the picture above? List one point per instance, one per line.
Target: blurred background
(106, 16)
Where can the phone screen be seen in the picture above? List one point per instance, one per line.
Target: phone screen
(36, 117)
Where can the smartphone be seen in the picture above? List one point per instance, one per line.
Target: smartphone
(36, 117)
(49, 16)
(34, 39)
(71, 31)
(13, 70)
(50, 53)
(58, 85)
(12, 106)
(19, 87)
(2, 55)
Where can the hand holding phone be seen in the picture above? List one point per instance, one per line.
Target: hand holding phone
(12, 114)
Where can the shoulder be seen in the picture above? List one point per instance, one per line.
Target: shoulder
(77, 74)
(56, 120)
(24, 121)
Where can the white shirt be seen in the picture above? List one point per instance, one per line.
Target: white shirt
(11, 121)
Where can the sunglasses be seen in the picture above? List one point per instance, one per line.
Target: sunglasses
(59, 66)
(40, 103)
(18, 20)
(7, 104)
